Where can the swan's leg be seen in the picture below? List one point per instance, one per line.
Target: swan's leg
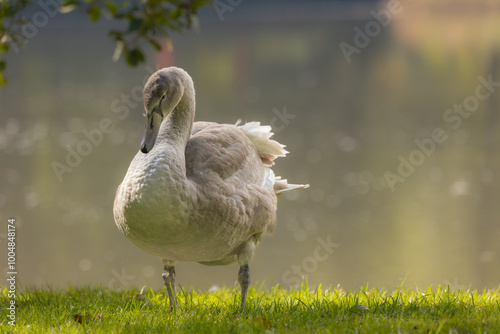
(169, 278)
(244, 258)
(244, 280)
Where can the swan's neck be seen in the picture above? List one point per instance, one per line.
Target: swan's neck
(170, 146)
(167, 159)
(176, 127)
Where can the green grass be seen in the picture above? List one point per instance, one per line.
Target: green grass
(100, 310)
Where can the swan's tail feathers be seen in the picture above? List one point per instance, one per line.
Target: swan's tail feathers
(280, 186)
(268, 150)
(260, 136)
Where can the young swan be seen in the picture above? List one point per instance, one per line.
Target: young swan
(201, 192)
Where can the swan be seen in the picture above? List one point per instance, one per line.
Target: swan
(201, 192)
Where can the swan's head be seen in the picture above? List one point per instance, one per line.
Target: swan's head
(162, 93)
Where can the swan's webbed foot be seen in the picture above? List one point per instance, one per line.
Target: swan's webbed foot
(244, 280)
(169, 278)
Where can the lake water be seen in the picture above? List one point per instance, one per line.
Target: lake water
(400, 142)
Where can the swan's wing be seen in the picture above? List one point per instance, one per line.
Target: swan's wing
(198, 126)
(225, 151)
(226, 168)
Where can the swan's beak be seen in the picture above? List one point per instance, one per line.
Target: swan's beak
(153, 122)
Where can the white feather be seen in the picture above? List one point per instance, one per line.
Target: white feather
(260, 136)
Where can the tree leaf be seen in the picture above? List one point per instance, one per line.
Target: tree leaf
(134, 57)
(175, 14)
(8, 11)
(4, 48)
(135, 24)
(155, 44)
(116, 34)
(199, 3)
(70, 3)
(94, 12)
(112, 7)
(2, 79)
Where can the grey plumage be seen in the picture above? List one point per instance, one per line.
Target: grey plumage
(202, 191)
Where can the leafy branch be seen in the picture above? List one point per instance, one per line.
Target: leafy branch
(148, 21)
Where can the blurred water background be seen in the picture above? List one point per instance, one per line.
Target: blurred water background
(349, 122)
